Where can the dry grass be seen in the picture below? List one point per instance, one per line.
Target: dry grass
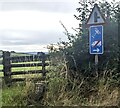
(61, 93)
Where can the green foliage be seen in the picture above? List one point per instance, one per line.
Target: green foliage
(19, 94)
(85, 91)
(82, 90)
(76, 50)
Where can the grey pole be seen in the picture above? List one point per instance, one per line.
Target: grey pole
(96, 64)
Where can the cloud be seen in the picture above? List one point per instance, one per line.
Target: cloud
(32, 24)
(20, 37)
(63, 6)
(34, 20)
(37, 1)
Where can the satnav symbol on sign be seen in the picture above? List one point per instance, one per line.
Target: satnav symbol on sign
(96, 32)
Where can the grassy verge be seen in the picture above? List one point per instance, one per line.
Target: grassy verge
(13, 96)
(85, 92)
(64, 92)
(20, 94)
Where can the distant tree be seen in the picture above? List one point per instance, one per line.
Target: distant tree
(12, 51)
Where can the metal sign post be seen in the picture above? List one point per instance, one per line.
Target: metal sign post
(96, 64)
(95, 22)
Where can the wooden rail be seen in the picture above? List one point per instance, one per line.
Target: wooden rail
(26, 58)
(17, 61)
(29, 65)
(26, 72)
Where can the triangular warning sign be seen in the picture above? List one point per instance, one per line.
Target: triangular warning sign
(95, 17)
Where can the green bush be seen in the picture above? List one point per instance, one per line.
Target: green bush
(76, 50)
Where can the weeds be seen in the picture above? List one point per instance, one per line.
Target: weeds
(77, 91)
(70, 91)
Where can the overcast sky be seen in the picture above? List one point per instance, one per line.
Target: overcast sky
(31, 25)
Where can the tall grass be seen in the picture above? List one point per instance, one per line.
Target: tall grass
(62, 92)
(77, 91)
(13, 96)
(66, 91)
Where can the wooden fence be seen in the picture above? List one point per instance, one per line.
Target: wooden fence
(10, 62)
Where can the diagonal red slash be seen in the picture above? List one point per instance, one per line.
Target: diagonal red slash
(96, 43)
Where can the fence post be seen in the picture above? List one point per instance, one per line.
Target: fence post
(7, 67)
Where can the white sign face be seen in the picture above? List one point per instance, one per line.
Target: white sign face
(95, 16)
